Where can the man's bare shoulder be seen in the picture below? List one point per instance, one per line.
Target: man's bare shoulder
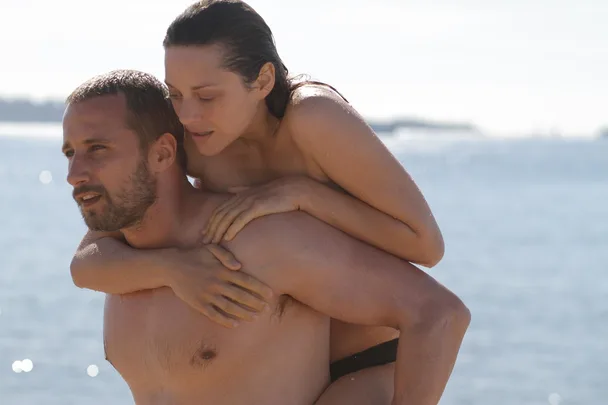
(91, 237)
(200, 204)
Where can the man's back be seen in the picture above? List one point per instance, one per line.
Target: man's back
(170, 354)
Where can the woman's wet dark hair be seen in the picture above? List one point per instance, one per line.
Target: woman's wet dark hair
(247, 41)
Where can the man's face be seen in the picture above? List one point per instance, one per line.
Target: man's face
(112, 184)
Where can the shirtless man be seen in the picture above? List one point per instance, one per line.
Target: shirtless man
(129, 182)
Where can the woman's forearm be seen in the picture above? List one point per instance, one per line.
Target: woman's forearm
(109, 265)
(366, 223)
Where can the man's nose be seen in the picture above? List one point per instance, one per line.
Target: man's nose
(78, 172)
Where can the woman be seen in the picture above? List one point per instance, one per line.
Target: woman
(278, 144)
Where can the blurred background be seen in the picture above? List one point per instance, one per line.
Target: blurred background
(497, 108)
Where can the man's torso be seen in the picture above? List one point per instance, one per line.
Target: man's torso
(170, 354)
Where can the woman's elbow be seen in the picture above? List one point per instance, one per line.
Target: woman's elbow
(436, 250)
(432, 249)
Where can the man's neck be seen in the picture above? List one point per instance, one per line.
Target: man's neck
(163, 220)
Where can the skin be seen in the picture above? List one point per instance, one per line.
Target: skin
(205, 360)
(160, 366)
(321, 158)
(320, 138)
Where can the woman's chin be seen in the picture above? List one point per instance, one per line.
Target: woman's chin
(207, 145)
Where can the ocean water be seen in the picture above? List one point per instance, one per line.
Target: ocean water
(526, 229)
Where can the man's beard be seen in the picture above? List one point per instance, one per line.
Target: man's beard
(127, 207)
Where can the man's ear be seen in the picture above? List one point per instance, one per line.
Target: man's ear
(163, 153)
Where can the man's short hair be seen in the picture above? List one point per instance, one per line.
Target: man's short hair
(149, 110)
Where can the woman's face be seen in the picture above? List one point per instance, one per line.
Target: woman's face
(214, 105)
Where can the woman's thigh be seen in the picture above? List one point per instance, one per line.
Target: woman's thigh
(371, 386)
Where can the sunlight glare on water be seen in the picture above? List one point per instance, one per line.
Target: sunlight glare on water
(45, 177)
(92, 370)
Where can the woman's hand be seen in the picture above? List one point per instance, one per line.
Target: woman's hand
(215, 287)
(281, 195)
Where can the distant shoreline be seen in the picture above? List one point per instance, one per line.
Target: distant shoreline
(30, 112)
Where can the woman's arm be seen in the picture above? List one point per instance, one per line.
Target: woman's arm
(388, 210)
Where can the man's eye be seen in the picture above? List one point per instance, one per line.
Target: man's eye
(69, 153)
(97, 147)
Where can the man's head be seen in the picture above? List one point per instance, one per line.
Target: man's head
(120, 133)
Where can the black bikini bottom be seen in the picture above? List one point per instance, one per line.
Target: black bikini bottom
(378, 355)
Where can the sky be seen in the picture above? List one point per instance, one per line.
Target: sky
(505, 65)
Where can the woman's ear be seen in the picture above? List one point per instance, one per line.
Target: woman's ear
(265, 81)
